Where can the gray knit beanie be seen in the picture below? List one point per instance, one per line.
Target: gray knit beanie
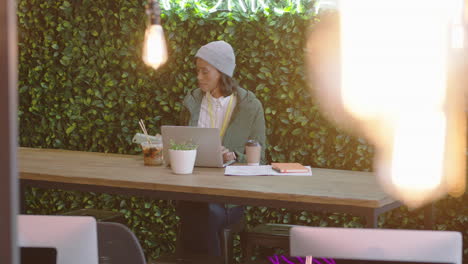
(220, 55)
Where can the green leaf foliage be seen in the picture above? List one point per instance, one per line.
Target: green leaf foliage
(83, 86)
(154, 222)
(182, 145)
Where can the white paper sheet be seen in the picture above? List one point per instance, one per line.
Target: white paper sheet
(262, 170)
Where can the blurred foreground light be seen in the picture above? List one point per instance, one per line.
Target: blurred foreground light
(389, 70)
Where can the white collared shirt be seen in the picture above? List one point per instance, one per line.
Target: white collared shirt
(219, 107)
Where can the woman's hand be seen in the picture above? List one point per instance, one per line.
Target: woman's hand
(227, 155)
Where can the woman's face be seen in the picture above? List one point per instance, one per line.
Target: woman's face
(207, 75)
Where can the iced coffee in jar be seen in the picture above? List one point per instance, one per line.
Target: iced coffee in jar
(152, 153)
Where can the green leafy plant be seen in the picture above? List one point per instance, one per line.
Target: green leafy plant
(182, 146)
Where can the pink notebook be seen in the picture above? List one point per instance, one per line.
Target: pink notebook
(289, 167)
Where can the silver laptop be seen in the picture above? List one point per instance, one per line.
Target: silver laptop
(357, 245)
(207, 139)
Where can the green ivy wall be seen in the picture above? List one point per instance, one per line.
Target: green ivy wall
(83, 86)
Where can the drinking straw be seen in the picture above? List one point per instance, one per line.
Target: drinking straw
(143, 127)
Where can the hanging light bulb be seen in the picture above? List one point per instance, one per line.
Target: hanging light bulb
(392, 73)
(154, 47)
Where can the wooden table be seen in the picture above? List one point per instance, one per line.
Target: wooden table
(326, 190)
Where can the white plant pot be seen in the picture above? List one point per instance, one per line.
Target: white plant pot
(182, 161)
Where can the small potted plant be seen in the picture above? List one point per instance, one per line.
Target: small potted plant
(182, 157)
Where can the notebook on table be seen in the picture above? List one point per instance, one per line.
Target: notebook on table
(289, 167)
(209, 151)
(261, 170)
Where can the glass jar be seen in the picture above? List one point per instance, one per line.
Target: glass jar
(152, 153)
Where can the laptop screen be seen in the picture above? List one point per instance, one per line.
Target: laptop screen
(74, 237)
(372, 246)
(34, 255)
(207, 139)
(282, 259)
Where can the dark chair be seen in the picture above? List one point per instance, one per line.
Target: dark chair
(265, 235)
(192, 259)
(227, 238)
(118, 245)
(99, 215)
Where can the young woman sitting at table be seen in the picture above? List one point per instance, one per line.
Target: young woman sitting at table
(218, 102)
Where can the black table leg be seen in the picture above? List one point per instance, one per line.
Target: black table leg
(429, 216)
(372, 218)
(22, 198)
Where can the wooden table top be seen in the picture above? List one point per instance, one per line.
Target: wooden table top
(325, 186)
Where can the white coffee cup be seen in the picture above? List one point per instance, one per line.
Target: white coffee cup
(253, 152)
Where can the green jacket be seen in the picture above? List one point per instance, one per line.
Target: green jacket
(247, 121)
